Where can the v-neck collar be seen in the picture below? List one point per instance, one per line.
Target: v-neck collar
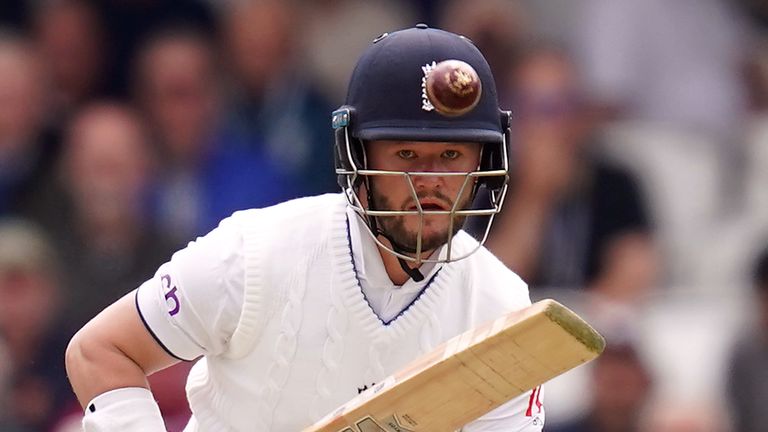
(346, 275)
(369, 264)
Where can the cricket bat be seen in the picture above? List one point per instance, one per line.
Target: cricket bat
(472, 373)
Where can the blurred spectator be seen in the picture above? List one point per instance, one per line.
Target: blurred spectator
(756, 75)
(30, 306)
(130, 22)
(26, 154)
(757, 10)
(756, 71)
(672, 63)
(72, 40)
(337, 31)
(5, 375)
(4, 370)
(97, 218)
(204, 177)
(275, 108)
(570, 219)
(756, 136)
(621, 387)
(427, 11)
(756, 169)
(675, 417)
(748, 375)
(499, 28)
(14, 14)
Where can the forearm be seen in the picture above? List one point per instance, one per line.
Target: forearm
(114, 350)
(108, 362)
(94, 367)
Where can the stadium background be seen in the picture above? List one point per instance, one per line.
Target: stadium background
(128, 127)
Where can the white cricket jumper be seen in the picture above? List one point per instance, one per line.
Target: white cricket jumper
(272, 300)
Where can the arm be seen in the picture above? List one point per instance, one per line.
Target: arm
(107, 362)
(190, 308)
(114, 350)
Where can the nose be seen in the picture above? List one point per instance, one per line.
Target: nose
(429, 182)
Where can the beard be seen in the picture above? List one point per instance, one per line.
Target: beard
(404, 239)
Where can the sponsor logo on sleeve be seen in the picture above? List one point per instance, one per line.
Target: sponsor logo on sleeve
(171, 299)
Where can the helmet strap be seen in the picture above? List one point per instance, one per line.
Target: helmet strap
(414, 273)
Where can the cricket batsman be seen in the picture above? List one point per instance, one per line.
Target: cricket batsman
(292, 310)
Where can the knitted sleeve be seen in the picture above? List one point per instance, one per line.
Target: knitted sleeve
(193, 303)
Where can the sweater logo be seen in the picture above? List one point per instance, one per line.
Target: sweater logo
(364, 387)
(171, 299)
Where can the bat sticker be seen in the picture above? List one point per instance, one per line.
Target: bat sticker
(369, 424)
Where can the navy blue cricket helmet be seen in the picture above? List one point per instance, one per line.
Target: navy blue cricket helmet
(388, 99)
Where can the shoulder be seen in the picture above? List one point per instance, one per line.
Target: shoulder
(494, 282)
(297, 213)
(290, 228)
(483, 262)
(281, 225)
(304, 205)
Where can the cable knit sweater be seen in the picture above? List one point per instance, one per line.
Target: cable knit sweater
(307, 340)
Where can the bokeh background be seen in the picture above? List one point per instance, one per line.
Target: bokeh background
(639, 191)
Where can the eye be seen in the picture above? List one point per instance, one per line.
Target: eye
(406, 154)
(451, 154)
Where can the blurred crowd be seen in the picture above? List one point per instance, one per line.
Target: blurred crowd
(638, 191)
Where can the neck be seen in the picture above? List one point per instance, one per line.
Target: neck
(395, 272)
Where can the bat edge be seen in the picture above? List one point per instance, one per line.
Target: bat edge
(574, 325)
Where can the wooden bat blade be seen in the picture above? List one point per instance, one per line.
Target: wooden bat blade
(473, 373)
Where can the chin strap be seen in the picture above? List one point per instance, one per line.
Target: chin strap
(414, 273)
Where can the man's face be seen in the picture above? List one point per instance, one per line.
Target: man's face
(435, 193)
